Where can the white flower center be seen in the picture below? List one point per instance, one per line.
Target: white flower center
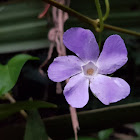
(89, 69)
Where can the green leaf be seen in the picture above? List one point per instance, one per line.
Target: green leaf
(9, 109)
(60, 127)
(136, 138)
(137, 128)
(35, 129)
(9, 73)
(105, 134)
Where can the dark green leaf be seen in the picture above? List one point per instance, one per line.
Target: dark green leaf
(105, 134)
(9, 73)
(60, 127)
(35, 129)
(93, 120)
(137, 128)
(9, 109)
(136, 138)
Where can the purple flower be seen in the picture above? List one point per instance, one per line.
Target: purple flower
(89, 69)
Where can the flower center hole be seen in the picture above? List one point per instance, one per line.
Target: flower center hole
(90, 71)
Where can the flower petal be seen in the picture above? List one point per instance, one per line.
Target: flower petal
(109, 89)
(113, 55)
(82, 42)
(76, 91)
(64, 67)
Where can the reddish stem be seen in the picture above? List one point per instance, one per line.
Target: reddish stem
(47, 6)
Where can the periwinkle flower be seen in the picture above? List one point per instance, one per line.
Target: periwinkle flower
(89, 69)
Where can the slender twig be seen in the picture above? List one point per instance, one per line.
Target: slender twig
(72, 12)
(89, 20)
(41, 15)
(12, 100)
(121, 30)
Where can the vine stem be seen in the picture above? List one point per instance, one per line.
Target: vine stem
(101, 22)
(98, 6)
(107, 10)
(89, 20)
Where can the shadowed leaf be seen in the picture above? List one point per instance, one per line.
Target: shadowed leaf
(137, 128)
(35, 129)
(105, 134)
(9, 109)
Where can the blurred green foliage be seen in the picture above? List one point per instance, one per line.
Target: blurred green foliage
(8, 109)
(105, 134)
(102, 135)
(20, 27)
(35, 129)
(137, 128)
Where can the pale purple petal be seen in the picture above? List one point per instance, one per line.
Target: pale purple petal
(76, 91)
(64, 67)
(82, 42)
(109, 90)
(113, 55)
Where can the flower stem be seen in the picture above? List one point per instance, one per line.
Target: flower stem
(107, 10)
(89, 20)
(98, 6)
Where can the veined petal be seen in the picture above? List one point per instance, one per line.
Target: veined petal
(76, 91)
(64, 67)
(113, 55)
(109, 89)
(82, 42)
